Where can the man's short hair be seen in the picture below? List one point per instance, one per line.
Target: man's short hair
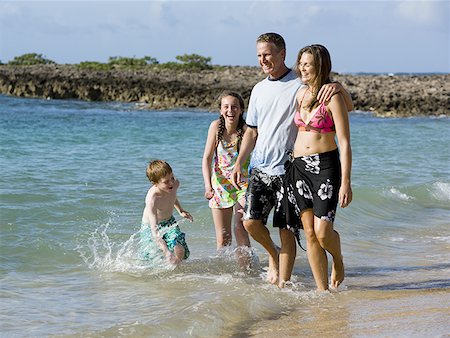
(274, 38)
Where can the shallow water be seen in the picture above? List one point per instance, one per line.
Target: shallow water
(72, 190)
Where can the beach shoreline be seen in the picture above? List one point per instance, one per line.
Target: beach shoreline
(162, 89)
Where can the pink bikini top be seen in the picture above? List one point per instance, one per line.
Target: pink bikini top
(321, 121)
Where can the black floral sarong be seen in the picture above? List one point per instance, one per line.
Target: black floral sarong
(310, 182)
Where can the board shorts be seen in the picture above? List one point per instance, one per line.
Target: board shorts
(262, 196)
(170, 233)
(310, 182)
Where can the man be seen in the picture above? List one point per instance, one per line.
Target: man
(270, 134)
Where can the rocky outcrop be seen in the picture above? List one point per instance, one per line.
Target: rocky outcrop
(167, 89)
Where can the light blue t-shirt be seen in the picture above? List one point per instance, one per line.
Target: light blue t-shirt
(271, 110)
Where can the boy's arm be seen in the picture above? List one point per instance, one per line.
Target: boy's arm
(183, 213)
(153, 220)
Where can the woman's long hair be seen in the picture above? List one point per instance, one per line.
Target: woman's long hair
(322, 68)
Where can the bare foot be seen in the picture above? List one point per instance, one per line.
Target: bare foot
(285, 284)
(337, 272)
(272, 275)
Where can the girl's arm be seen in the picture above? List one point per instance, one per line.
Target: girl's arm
(207, 158)
(340, 116)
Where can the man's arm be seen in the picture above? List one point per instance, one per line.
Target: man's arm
(247, 145)
(329, 89)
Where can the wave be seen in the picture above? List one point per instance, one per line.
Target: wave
(436, 194)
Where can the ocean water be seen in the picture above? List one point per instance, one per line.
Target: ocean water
(72, 190)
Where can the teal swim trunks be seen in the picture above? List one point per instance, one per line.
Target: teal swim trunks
(171, 234)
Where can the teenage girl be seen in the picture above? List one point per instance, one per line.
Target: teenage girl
(221, 150)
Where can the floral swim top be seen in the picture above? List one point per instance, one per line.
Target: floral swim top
(320, 122)
(225, 194)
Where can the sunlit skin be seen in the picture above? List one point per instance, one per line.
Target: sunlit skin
(320, 235)
(231, 110)
(281, 261)
(271, 59)
(160, 201)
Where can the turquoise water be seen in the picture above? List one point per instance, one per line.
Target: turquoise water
(72, 191)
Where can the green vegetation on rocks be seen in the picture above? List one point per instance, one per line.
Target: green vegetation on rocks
(192, 82)
(30, 59)
(186, 62)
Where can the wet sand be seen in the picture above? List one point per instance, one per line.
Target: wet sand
(365, 313)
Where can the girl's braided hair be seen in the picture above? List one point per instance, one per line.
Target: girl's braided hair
(241, 122)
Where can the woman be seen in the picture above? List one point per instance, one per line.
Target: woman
(317, 177)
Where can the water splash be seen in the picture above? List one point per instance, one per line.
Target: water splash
(102, 252)
(106, 251)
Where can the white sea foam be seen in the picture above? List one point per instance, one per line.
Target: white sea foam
(397, 239)
(400, 195)
(445, 239)
(441, 191)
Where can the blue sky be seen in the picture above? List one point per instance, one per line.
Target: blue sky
(362, 36)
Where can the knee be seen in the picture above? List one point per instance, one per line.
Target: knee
(310, 234)
(287, 239)
(287, 236)
(324, 234)
(179, 251)
(250, 225)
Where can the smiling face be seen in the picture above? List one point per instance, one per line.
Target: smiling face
(167, 183)
(271, 59)
(307, 69)
(230, 109)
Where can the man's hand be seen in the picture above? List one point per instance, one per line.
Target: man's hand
(236, 176)
(327, 91)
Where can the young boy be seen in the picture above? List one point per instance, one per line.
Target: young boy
(158, 213)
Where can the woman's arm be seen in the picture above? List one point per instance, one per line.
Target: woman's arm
(339, 112)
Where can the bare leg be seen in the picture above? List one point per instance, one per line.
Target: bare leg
(222, 223)
(317, 256)
(261, 234)
(243, 252)
(330, 241)
(287, 256)
(240, 233)
(178, 251)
